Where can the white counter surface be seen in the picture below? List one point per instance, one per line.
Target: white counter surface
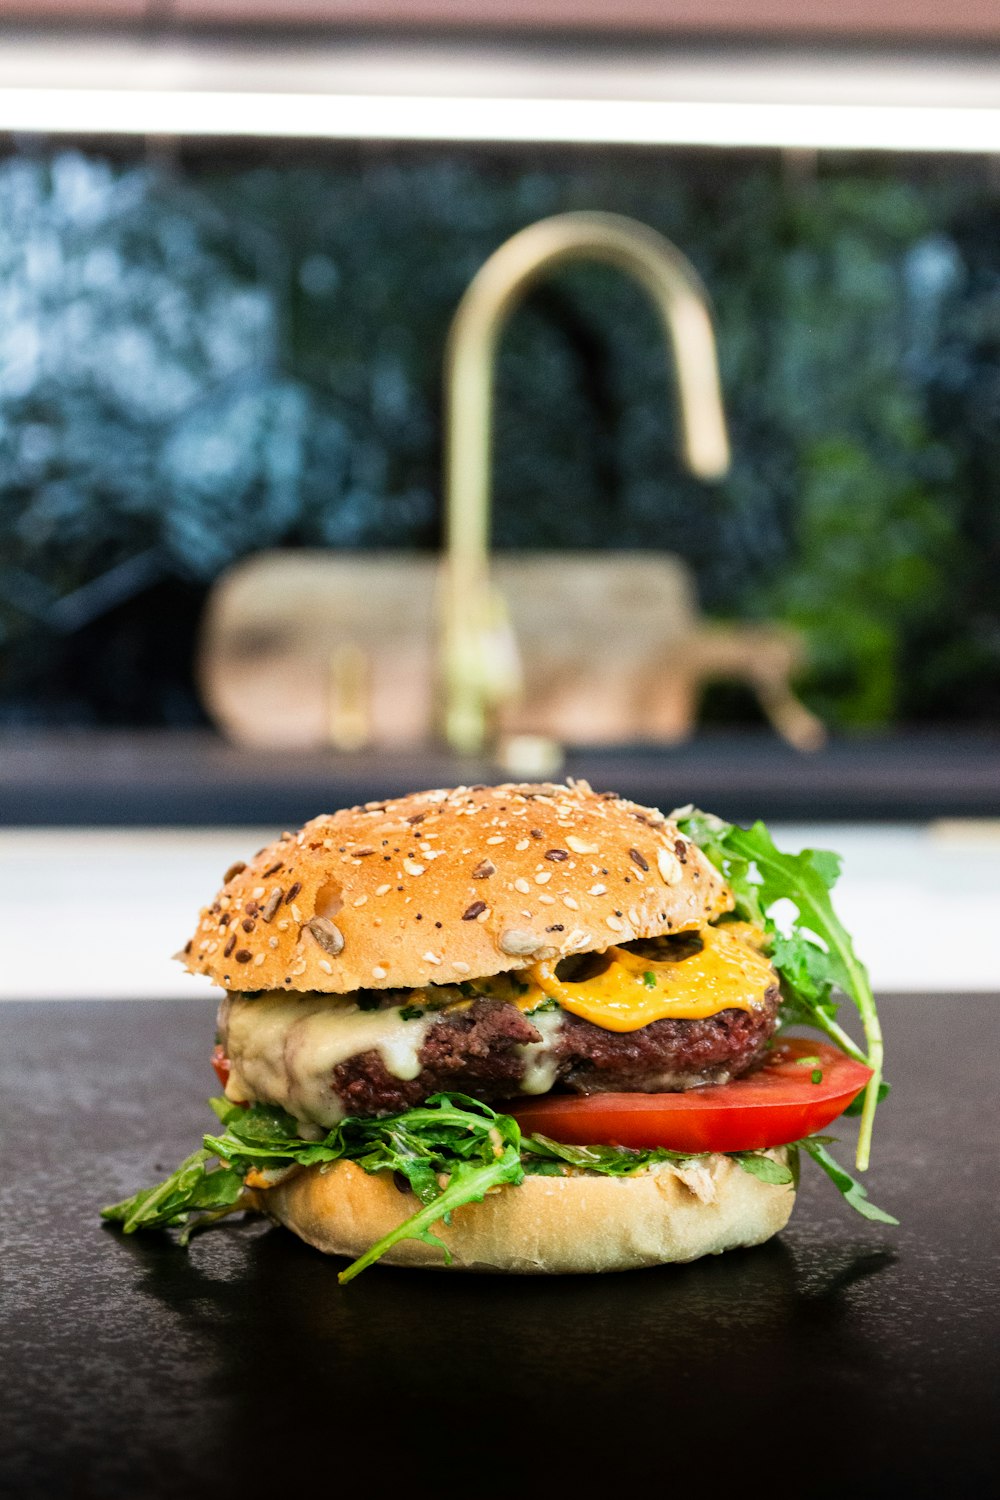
(96, 913)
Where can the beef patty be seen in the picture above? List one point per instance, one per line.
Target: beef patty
(479, 1051)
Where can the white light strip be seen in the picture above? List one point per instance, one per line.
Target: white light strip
(398, 117)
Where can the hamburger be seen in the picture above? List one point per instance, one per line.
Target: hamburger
(525, 1028)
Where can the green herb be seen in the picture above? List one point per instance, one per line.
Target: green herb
(818, 956)
(816, 1076)
(410, 1013)
(649, 979)
(452, 1150)
(610, 1161)
(192, 1187)
(854, 1193)
(540, 1154)
(759, 1164)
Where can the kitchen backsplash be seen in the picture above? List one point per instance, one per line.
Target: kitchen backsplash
(203, 357)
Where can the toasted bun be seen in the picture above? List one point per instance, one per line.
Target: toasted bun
(442, 886)
(548, 1224)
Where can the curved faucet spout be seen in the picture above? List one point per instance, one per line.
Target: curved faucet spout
(478, 652)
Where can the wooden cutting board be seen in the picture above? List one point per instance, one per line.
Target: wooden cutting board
(301, 649)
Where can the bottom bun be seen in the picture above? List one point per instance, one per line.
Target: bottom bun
(581, 1222)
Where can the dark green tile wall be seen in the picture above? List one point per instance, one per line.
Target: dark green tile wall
(202, 357)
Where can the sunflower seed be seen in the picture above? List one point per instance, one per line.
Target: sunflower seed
(329, 937)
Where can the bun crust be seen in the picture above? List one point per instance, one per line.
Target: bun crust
(579, 1223)
(443, 886)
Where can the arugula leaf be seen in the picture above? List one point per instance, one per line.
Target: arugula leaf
(192, 1186)
(818, 957)
(452, 1150)
(853, 1191)
(765, 1168)
(610, 1161)
(468, 1184)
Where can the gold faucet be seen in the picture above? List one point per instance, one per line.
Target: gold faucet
(479, 652)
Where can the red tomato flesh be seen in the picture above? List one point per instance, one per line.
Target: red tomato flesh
(220, 1062)
(777, 1104)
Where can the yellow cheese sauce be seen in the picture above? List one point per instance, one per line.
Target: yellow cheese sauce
(729, 972)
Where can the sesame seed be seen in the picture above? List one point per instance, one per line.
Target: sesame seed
(543, 877)
(598, 889)
(459, 967)
(412, 868)
(633, 916)
(520, 884)
(326, 966)
(580, 846)
(378, 972)
(571, 902)
(258, 892)
(259, 959)
(380, 890)
(669, 867)
(614, 924)
(431, 958)
(272, 942)
(546, 898)
(522, 844)
(496, 838)
(359, 900)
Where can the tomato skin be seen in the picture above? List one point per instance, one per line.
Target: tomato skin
(220, 1062)
(776, 1105)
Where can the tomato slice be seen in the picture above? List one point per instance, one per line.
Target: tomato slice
(220, 1062)
(777, 1104)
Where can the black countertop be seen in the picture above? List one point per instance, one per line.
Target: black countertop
(160, 777)
(840, 1359)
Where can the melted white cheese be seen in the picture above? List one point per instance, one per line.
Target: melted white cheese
(540, 1060)
(283, 1048)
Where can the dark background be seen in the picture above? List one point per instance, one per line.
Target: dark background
(214, 351)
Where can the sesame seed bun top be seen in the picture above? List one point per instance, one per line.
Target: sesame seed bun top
(443, 886)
